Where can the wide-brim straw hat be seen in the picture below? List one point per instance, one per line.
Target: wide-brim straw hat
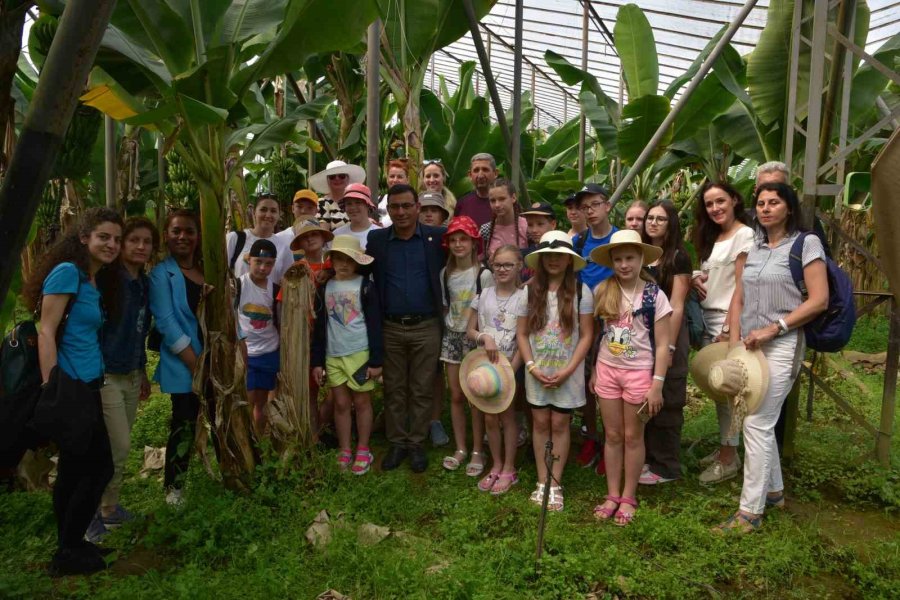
(702, 362)
(309, 226)
(319, 181)
(624, 237)
(490, 387)
(743, 373)
(558, 242)
(349, 245)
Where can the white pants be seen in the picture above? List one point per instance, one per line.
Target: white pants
(762, 465)
(715, 321)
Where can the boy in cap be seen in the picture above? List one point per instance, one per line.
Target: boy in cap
(305, 206)
(575, 216)
(432, 209)
(255, 295)
(357, 204)
(540, 218)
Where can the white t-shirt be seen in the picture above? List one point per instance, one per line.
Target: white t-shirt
(362, 236)
(461, 292)
(720, 266)
(498, 317)
(255, 316)
(242, 265)
(552, 350)
(347, 332)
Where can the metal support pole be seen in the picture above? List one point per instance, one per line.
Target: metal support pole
(814, 111)
(621, 104)
(585, 19)
(889, 395)
(845, 20)
(373, 108)
(650, 148)
(789, 129)
(537, 113)
(311, 128)
(847, 78)
(515, 157)
(109, 160)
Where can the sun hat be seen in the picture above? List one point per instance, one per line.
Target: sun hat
(591, 189)
(306, 194)
(349, 245)
(467, 226)
(309, 226)
(624, 237)
(263, 249)
(319, 181)
(701, 364)
(743, 377)
(540, 209)
(434, 199)
(558, 242)
(490, 387)
(360, 192)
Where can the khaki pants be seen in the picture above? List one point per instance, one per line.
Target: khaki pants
(410, 353)
(120, 398)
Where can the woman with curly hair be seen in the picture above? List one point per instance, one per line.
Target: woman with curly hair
(64, 292)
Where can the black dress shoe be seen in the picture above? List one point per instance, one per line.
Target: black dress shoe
(395, 456)
(76, 561)
(418, 460)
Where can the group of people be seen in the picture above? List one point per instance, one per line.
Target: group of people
(527, 322)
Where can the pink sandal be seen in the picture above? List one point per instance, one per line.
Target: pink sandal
(604, 513)
(345, 457)
(362, 462)
(487, 482)
(504, 482)
(624, 518)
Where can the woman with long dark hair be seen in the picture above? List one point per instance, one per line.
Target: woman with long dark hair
(722, 240)
(662, 435)
(63, 289)
(176, 286)
(124, 344)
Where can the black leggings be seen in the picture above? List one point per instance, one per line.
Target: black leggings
(185, 409)
(80, 481)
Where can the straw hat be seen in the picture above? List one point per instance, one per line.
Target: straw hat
(558, 242)
(350, 246)
(624, 237)
(319, 181)
(309, 226)
(490, 387)
(742, 376)
(701, 364)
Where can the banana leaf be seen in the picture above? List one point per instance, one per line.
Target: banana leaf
(640, 120)
(637, 52)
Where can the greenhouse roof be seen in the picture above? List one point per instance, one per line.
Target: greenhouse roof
(681, 29)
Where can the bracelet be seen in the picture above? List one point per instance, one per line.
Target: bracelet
(782, 327)
(529, 363)
(672, 348)
(659, 378)
(478, 337)
(531, 367)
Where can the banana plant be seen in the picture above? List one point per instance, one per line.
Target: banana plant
(205, 98)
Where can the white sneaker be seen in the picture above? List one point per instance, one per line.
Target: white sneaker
(717, 471)
(709, 458)
(174, 497)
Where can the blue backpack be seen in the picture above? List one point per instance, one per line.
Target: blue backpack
(831, 330)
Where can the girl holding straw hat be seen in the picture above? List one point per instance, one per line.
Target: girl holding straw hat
(347, 348)
(492, 325)
(631, 364)
(554, 333)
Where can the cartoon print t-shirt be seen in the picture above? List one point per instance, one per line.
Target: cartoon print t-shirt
(626, 341)
(346, 321)
(498, 317)
(461, 290)
(255, 317)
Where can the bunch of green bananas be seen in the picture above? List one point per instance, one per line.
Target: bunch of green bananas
(181, 192)
(286, 179)
(48, 209)
(74, 159)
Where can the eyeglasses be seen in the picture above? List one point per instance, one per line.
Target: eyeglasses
(402, 206)
(656, 219)
(504, 266)
(593, 206)
(337, 176)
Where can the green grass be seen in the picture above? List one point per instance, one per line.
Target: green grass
(838, 538)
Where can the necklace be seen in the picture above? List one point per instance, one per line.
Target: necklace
(502, 304)
(630, 299)
(183, 268)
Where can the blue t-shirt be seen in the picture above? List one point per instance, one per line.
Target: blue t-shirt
(347, 333)
(78, 354)
(592, 274)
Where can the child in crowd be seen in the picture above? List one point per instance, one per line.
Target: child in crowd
(311, 239)
(461, 280)
(634, 216)
(631, 364)
(304, 207)
(575, 216)
(347, 347)
(358, 204)
(266, 214)
(505, 226)
(540, 219)
(492, 325)
(432, 209)
(554, 332)
(256, 312)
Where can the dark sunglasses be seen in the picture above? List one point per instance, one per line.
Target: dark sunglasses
(338, 176)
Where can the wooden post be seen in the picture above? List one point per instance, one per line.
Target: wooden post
(889, 396)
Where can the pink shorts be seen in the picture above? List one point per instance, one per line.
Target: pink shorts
(631, 385)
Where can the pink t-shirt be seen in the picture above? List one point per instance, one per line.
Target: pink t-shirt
(506, 234)
(626, 342)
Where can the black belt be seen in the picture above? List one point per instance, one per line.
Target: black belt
(408, 319)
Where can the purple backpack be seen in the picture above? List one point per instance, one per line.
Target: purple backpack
(831, 330)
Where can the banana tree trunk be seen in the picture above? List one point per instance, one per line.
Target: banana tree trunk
(412, 136)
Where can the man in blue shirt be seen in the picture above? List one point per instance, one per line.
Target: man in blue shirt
(408, 259)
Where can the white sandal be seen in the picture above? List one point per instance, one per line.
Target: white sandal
(555, 502)
(537, 496)
(452, 463)
(474, 469)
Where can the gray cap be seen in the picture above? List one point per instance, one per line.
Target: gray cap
(433, 199)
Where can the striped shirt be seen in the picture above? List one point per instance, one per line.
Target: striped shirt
(769, 290)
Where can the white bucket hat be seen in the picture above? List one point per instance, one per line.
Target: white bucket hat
(624, 237)
(319, 181)
(559, 242)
